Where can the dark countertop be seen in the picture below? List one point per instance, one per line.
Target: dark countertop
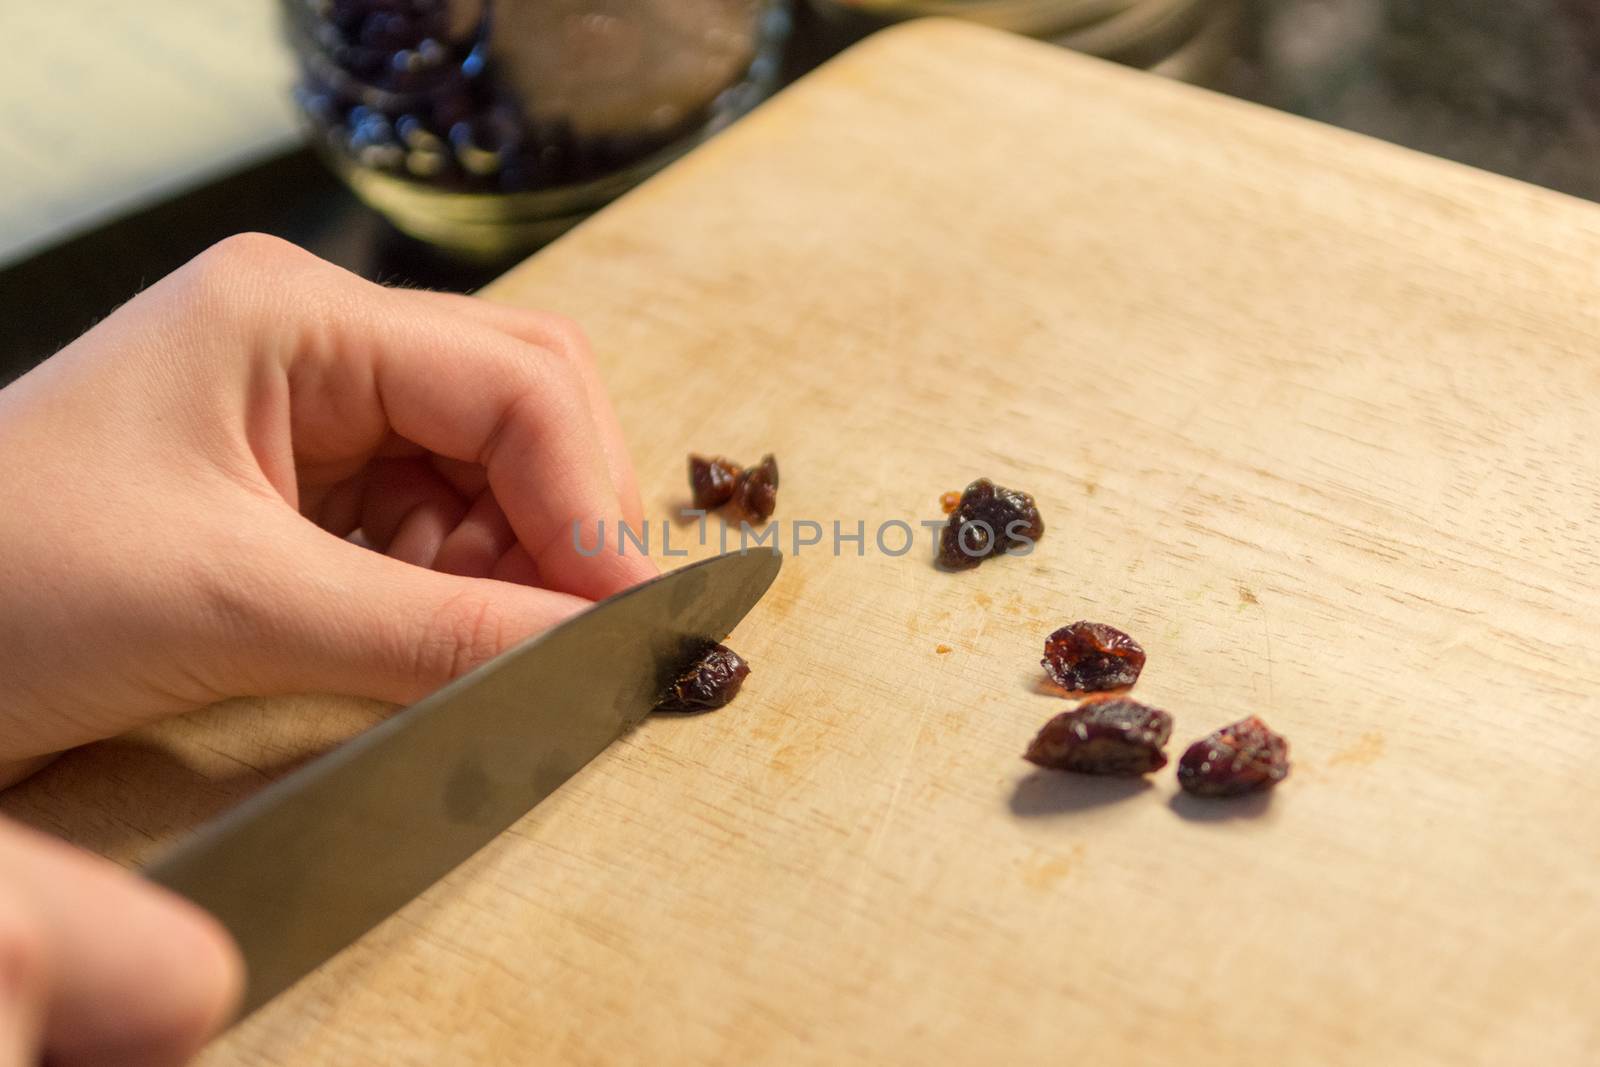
(1510, 87)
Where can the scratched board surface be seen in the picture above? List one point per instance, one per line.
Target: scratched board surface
(1310, 416)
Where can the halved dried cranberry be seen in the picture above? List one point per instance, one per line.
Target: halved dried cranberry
(1091, 656)
(756, 491)
(709, 682)
(712, 480)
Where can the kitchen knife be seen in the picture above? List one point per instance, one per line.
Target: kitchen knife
(313, 861)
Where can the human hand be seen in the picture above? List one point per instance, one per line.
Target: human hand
(179, 484)
(100, 969)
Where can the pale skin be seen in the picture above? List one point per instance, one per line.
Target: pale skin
(262, 475)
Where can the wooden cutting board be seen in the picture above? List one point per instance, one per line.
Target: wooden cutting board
(1311, 416)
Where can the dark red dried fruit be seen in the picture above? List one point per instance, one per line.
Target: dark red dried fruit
(710, 681)
(1091, 656)
(1114, 737)
(712, 480)
(756, 491)
(1241, 758)
(989, 520)
(716, 481)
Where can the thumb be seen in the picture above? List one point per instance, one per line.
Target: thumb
(114, 971)
(330, 616)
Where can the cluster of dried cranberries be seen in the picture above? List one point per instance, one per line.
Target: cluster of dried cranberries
(1103, 736)
(715, 672)
(716, 481)
(1123, 737)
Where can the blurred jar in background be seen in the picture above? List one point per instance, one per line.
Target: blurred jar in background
(489, 126)
(1187, 39)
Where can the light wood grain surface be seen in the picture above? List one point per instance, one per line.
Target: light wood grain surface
(1312, 417)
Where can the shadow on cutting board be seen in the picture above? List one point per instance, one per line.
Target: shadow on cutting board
(1220, 809)
(1055, 793)
(1044, 793)
(122, 798)
(128, 798)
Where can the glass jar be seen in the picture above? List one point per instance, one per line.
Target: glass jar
(487, 127)
(1035, 18)
(1179, 37)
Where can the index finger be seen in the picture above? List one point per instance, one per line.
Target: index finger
(371, 359)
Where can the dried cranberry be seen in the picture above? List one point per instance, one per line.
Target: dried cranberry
(712, 481)
(1114, 737)
(1241, 758)
(716, 481)
(757, 489)
(710, 681)
(989, 520)
(1091, 656)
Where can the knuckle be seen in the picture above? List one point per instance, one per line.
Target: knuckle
(566, 330)
(247, 253)
(551, 403)
(254, 248)
(224, 275)
(464, 632)
(564, 378)
(565, 338)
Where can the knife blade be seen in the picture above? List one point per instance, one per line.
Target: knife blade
(313, 861)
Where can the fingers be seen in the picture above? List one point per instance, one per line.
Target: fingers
(475, 394)
(530, 426)
(412, 513)
(555, 334)
(474, 548)
(358, 365)
(408, 510)
(134, 975)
